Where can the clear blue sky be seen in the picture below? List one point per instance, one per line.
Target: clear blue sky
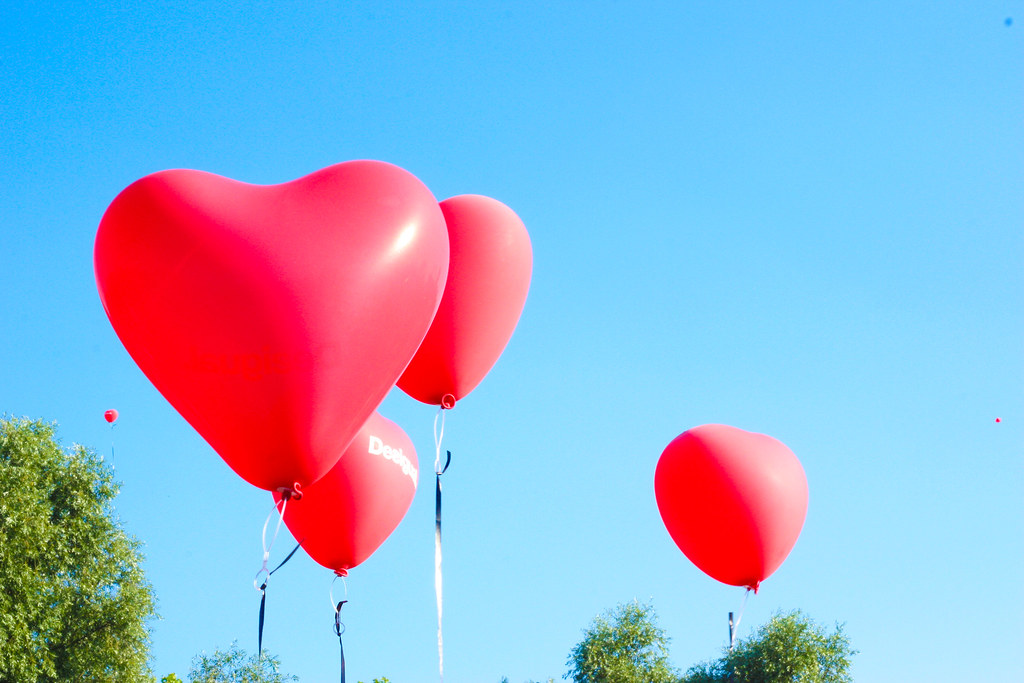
(799, 218)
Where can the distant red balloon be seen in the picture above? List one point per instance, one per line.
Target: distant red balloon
(110, 415)
(999, 419)
(274, 318)
(488, 279)
(345, 516)
(733, 501)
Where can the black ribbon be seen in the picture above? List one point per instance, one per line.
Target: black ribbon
(339, 628)
(437, 497)
(263, 594)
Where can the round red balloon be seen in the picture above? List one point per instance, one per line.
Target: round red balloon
(488, 279)
(274, 318)
(110, 416)
(733, 501)
(345, 516)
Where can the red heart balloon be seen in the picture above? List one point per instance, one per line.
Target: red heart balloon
(274, 318)
(488, 278)
(345, 516)
(733, 501)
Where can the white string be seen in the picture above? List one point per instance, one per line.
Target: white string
(437, 440)
(438, 437)
(736, 627)
(334, 605)
(266, 548)
(113, 466)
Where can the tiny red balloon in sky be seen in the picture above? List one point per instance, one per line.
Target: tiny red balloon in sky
(999, 419)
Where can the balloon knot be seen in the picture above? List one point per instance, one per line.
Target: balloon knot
(293, 493)
(755, 587)
(448, 401)
(341, 572)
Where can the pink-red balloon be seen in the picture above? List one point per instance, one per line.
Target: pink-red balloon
(344, 517)
(733, 501)
(488, 279)
(110, 415)
(274, 318)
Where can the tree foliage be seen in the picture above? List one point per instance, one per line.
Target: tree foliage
(237, 666)
(74, 601)
(790, 648)
(624, 645)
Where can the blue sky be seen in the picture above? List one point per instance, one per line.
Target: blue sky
(803, 219)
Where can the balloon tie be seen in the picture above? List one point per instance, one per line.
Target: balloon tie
(339, 627)
(112, 465)
(285, 495)
(734, 629)
(264, 570)
(438, 470)
(338, 575)
(438, 438)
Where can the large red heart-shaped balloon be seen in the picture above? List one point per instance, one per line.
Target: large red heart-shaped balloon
(274, 318)
(488, 279)
(345, 516)
(733, 501)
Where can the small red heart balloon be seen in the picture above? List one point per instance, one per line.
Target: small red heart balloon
(346, 515)
(733, 501)
(274, 318)
(110, 415)
(488, 279)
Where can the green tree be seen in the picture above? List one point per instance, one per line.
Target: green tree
(237, 666)
(74, 602)
(790, 648)
(624, 645)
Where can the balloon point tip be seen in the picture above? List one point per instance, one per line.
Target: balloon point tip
(448, 401)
